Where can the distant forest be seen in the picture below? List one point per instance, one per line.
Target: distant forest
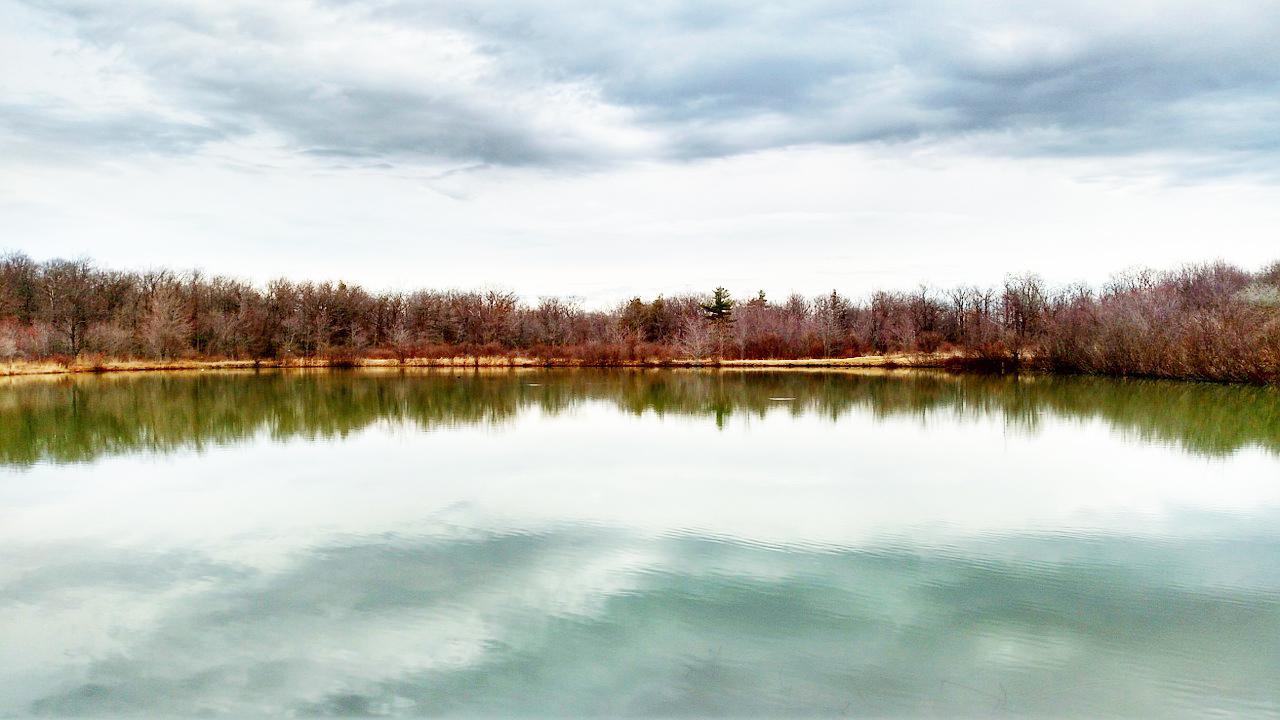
(1212, 321)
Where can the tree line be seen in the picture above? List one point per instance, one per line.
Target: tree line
(1212, 321)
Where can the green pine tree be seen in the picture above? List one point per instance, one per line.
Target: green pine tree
(719, 313)
(720, 309)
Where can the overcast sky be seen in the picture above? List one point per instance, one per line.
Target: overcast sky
(576, 148)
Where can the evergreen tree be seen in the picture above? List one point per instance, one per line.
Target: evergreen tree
(719, 313)
(720, 310)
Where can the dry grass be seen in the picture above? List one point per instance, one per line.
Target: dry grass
(21, 367)
(891, 360)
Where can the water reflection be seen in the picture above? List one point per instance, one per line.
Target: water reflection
(587, 623)
(642, 544)
(76, 419)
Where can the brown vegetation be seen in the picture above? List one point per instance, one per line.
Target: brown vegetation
(1212, 322)
(572, 358)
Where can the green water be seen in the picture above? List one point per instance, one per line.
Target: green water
(638, 543)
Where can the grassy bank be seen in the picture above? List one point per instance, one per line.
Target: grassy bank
(97, 365)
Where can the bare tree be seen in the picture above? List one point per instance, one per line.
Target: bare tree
(70, 298)
(1023, 303)
(8, 341)
(554, 320)
(166, 330)
(19, 288)
(696, 340)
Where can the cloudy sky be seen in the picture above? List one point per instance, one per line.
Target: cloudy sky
(581, 149)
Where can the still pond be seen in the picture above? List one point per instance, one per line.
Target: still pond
(637, 543)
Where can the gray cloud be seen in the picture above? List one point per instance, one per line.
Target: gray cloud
(576, 83)
(131, 131)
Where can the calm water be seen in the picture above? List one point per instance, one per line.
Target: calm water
(614, 543)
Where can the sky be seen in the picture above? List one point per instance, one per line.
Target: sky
(601, 150)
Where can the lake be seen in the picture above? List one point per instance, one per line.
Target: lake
(649, 543)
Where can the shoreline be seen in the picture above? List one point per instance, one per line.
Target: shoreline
(950, 361)
(23, 368)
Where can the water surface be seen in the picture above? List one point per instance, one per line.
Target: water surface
(637, 543)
